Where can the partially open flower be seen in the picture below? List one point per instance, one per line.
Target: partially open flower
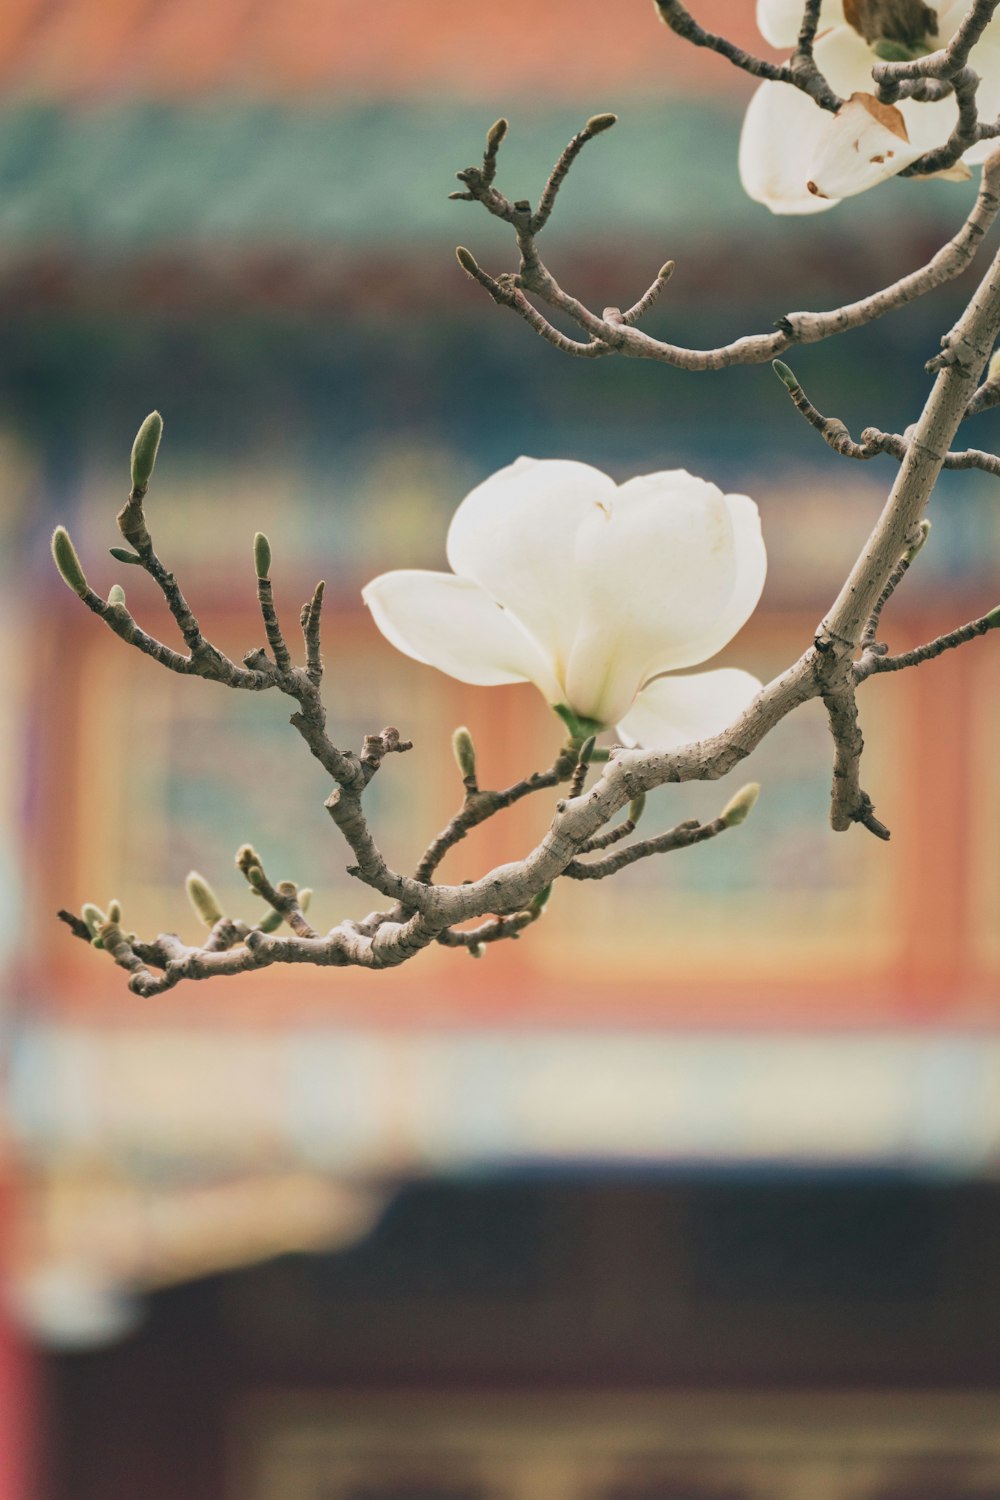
(592, 591)
(797, 159)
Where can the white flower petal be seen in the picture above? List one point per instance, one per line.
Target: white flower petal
(514, 535)
(749, 573)
(782, 129)
(452, 624)
(864, 144)
(779, 20)
(674, 711)
(668, 576)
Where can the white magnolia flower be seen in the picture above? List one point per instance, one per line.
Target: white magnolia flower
(799, 159)
(591, 591)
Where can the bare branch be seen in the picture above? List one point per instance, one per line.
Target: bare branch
(614, 333)
(916, 541)
(800, 70)
(874, 661)
(873, 440)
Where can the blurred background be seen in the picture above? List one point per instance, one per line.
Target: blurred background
(692, 1193)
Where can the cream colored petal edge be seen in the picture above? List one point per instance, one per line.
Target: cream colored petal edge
(750, 556)
(782, 130)
(859, 150)
(676, 711)
(452, 624)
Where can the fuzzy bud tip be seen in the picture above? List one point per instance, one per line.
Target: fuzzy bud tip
(93, 916)
(67, 561)
(464, 751)
(739, 808)
(116, 597)
(784, 374)
(924, 531)
(597, 123)
(261, 555)
(203, 899)
(496, 133)
(466, 260)
(145, 449)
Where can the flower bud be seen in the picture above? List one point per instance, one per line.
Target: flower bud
(116, 596)
(261, 555)
(495, 135)
(93, 916)
(464, 751)
(466, 260)
(738, 808)
(636, 807)
(125, 555)
(114, 912)
(784, 373)
(144, 450)
(203, 899)
(538, 903)
(924, 530)
(67, 561)
(597, 123)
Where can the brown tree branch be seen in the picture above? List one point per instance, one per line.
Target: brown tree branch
(800, 71)
(613, 332)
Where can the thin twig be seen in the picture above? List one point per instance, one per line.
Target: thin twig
(800, 71)
(874, 661)
(873, 440)
(613, 332)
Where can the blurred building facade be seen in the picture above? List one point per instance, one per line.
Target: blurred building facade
(259, 1240)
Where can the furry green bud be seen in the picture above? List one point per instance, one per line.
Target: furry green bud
(538, 903)
(305, 896)
(495, 135)
(116, 595)
(464, 752)
(67, 561)
(597, 123)
(115, 912)
(925, 530)
(93, 916)
(271, 922)
(784, 374)
(586, 750)
(261, 555)
(255, 875)
(203, 899)
(145, 449)
(739, 808)
(124, 555)
(636, 807)
(466, 260)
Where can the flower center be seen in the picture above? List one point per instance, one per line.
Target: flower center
(895, 29)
